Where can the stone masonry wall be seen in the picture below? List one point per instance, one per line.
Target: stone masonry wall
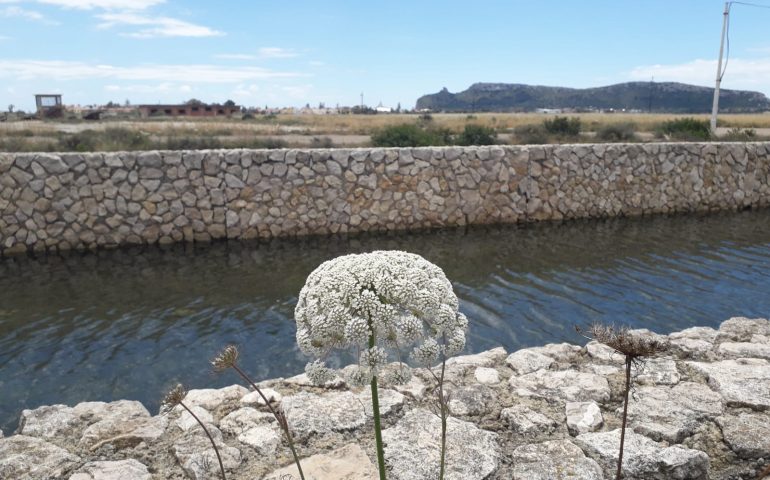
(65, 201)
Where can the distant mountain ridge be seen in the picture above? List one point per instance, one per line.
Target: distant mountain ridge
(644, 96)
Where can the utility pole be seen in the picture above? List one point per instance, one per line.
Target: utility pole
(715, 107)
(362, 101)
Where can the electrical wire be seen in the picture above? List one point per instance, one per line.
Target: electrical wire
(727, 30)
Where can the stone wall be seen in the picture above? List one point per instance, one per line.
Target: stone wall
(65, 201)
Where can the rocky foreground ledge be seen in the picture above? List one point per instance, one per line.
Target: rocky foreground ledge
(549, 412)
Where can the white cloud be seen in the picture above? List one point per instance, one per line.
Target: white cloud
(316, 63)
(158, 26)
(104, 4)
(18, 12)
(741, 73)
(164, 87)
(236, 56)
(196, 73)
(276, 52)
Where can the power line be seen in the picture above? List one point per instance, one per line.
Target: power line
(729, 8)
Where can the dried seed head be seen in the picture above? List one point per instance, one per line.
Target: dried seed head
(173, 398)
(623, 341)
(227, 358)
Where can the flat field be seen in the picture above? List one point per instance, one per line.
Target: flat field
(346, 130)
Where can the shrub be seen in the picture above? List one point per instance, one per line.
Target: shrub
(562, 126)
(530, 134)
(477, 135)
(324, 142)
(617, 132)
(192, 143)
(108, 140)
(741, 135)
(689, 129)
(410, 135)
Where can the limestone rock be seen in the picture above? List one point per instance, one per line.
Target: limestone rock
(527, 361)
(415, 388)
(469, 400)
(526, 421)
(244, 419)
(741, 329)
(568, 385)
(211, 399)
(643, 459)
(187, 422)
(388, 400)
(583, 417)
(254, 398)
(561, 352)
(741, 382)
(198, 458)
(308, 413)
(113, 470)
(302, 380)
(744, 350)
(486, 376)
(655, 371)
(22, 456)
(123, 433)
(412, 447)
(603, 353)
(264, 440)
(554, 460)
(747, 433)
(490, 358)
(64, 423)
(349, 462)
(671, 414)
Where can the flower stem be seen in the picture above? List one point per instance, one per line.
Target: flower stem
(378, 428)
(377, 423)
(625, 416)
(442, 405)
(281, 421)
(211, 439)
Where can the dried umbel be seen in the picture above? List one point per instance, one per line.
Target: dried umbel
(623, 341)
(378, 304)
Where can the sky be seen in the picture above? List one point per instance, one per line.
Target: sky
(291, 53)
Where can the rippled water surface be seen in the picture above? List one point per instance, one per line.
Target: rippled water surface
(130, 323)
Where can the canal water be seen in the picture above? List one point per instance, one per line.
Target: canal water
(130, 323)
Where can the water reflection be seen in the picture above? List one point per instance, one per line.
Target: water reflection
(128, 323)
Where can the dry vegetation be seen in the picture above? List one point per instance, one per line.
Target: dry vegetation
(275, 131)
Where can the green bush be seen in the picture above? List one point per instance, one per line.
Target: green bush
(108, 140)
(410, 135)
(531, 134)
(477, 135)
(689, 129)
(192, 143)
(617, 132)
(740, 135)
(563, 126)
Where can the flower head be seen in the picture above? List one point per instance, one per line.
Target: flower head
(377, 303)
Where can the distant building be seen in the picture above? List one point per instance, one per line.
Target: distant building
(191, 110)
(381, 109)
(49, 105)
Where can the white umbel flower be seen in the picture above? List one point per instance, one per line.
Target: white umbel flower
(378, 302)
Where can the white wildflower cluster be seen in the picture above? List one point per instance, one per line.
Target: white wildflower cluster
(376, 303)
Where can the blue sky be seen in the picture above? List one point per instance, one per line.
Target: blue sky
(284, 53)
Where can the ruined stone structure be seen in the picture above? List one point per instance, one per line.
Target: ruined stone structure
(85, 201)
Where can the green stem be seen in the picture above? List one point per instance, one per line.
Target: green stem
(284, 424)
(442, 405)
(377, 423)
